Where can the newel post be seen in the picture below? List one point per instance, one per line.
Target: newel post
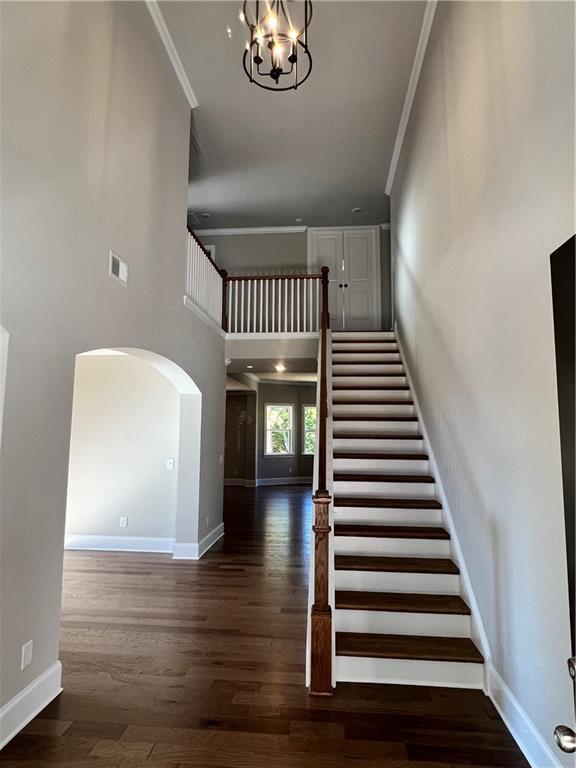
(324, 271)
(224, 276)
(321, 626)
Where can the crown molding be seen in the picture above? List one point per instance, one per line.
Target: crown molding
(427, 20)
(172, 52)
(251, 231)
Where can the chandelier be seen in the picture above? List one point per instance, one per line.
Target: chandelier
(277, 56)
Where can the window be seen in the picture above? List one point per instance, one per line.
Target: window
(309, 430)
(278, 430)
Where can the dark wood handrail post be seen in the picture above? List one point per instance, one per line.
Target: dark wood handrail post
(224, 276)
(321, 616)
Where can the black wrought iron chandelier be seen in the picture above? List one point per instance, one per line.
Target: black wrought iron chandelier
(277, 57)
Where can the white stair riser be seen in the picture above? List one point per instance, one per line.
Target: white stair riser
(376, 490)
(375, 346)
(396, 409)
(364, 516)
(401, 623)
(389, 466)
(358, 370)
(380, 581)
(377, 445)
(379, 547)
(372, 335)
(398, 395)
(364, 357)
(377, 427)
(409, 672)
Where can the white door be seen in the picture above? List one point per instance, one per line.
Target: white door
(353, 258)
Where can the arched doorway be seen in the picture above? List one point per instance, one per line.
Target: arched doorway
(134, 468)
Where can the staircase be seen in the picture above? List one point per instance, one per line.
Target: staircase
(399, 616)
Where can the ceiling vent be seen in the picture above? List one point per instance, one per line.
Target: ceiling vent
(118, 268)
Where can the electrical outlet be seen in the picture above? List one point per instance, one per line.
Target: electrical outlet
(290, 470)
(221, 458)
(207, 522)
(123, 522)
(170, 463)
(27, 653)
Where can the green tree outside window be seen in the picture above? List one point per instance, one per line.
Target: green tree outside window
(278, 430)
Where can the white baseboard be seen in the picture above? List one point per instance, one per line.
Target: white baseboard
(518, 722)
(478, 630)
(24, 707)
(118, 543)
(192, 551)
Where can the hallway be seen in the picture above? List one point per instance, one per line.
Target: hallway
(187, 664)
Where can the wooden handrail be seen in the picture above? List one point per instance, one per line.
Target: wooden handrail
(230, 278)
(321, 615)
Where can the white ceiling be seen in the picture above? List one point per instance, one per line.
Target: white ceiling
(264, 159)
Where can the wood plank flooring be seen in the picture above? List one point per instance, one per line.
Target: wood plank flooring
(171, 664)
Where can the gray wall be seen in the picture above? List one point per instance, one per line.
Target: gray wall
(258, 254)
(386, 279)
(483, 194)
(125, 424)
(95, 133)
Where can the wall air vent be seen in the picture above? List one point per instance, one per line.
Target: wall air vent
(118, 268)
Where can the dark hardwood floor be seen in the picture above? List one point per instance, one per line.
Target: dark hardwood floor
(173, 664)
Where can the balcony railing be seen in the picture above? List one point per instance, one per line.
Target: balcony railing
(252, 303)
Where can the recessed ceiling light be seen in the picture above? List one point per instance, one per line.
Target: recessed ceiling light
(280, 367)
(354, 210)
(205, 215)
(249, 366)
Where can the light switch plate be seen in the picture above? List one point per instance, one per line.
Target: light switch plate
(170, 463)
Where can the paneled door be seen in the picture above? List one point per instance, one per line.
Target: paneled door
(353, 258)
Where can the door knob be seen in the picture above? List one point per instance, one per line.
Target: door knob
(565, 738)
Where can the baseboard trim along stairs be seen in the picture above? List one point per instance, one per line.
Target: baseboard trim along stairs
(400, 612)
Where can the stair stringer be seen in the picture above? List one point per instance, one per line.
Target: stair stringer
(478, 631)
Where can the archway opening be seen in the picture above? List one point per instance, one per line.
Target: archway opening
(134, 469)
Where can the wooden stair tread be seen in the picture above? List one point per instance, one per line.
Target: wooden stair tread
(435, 565)
(385, 417)
(460, 649)
(372, 402)
(364, 341)
(377, 435)
(355, 374)
(363, 362)
(386, 503)
(381, 455)
(362, 350)
(391, 531)
(370, 387)
(367, 477)
(401, 602)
